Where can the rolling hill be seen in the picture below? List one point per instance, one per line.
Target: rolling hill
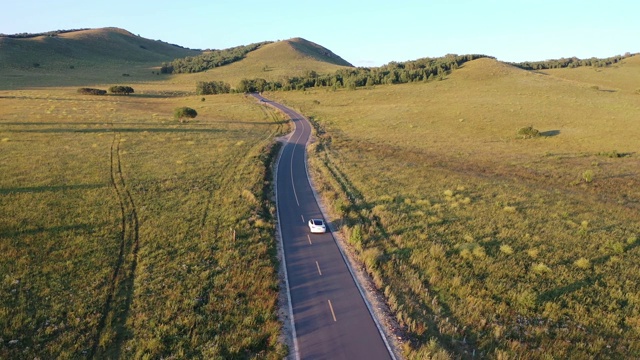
(286, 58)
(85, 47)
(82, 57)
(102, 56)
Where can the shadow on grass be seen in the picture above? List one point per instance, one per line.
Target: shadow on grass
(550, 133)
(106, 123)
(45, 188)
(86, 228)
(123, 130)
(564, 290)
(578, 285)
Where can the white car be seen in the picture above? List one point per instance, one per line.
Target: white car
(317, 226)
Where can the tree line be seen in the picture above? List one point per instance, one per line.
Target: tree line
(421, 70)
(209, 59)
(572, 62)
(48, 33)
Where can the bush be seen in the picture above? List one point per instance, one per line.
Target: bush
(184, 112)
(528, 132)
(587, 176)
(212, 88)
(126, 90)
(90, 91)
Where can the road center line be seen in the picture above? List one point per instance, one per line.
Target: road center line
(332, 313)
(309, 237)
(302, 216)
(293, 184)
(318, 266)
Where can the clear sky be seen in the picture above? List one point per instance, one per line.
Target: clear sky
(365, 33)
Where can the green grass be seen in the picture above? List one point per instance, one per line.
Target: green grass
(95, 56)
(481, 241)
(127, 234)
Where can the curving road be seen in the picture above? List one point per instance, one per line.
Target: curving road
(329, 316)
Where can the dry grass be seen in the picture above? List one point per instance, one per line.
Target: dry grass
(126, 234)
(493, 245)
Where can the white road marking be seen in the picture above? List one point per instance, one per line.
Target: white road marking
(318, 266)
(309, 237)
(332, 313)
(293, 185)
(302, 216)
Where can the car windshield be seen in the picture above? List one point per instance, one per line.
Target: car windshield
(318, 222)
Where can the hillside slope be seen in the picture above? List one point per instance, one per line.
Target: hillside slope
(106, 44)
(286, 58)
(82, 57)
(623, 76)
(317, 52)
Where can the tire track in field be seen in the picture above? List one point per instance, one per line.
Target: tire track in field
(112, 324)
(214, 197)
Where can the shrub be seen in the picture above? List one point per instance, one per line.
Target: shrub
(118, 89)
(613, 154)
(212, 88)
(506, 249)
(582, 263)
(90, 91)
(540, 268)
(184, 112)
(587, 176)
(528, 132)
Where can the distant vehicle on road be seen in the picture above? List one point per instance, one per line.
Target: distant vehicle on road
(317, 226)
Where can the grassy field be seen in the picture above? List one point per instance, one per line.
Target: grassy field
(486, 245)
(128, 235)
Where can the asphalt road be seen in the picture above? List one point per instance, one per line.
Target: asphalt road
(331, 319)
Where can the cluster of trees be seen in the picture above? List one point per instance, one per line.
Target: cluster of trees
(425, 69)
(212, 87)
(570, 62)
(48, 33)
(209, 60)
(117, 89)
(91, 91)
(421, 70)
(121, 90)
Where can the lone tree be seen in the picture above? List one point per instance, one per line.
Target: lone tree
(528, 132)
(121, 90)
(184, 112)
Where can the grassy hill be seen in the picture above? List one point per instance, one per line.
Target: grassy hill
(82, 57)
(494, 245)
(102, 56)
(287, 58)
(618, 77)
